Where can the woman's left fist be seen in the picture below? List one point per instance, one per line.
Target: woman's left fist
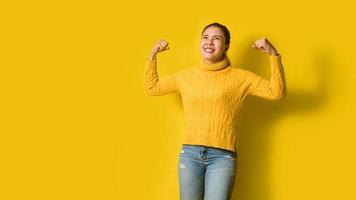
(265, 46)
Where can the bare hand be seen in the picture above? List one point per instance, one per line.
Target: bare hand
(160, 46)
(265, 46)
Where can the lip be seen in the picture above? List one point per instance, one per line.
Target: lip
(213, 49)
(209, 48)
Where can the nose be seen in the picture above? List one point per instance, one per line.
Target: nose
(209, 42)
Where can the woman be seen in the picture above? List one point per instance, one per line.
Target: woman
(212, 93)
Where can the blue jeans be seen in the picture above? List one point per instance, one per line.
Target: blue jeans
(206, 173)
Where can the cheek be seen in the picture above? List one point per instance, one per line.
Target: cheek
(202, 44)
(220, 47)
(218, 44)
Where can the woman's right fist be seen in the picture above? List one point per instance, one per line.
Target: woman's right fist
(160, 46)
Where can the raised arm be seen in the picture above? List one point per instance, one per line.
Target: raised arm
(154, 85)
(275, 88)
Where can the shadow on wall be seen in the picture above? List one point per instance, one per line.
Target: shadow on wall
(258, 116)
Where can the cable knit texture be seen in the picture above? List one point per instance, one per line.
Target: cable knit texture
(212, 95)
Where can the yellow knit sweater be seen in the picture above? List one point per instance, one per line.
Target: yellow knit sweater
(212, 95)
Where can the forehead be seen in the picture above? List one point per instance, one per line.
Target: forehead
(213, 31)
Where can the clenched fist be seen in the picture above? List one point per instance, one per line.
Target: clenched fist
(160, 46)
(265, 46)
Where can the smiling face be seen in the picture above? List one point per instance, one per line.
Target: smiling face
(212, 45)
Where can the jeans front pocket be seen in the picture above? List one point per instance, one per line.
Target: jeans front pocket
(229, 154)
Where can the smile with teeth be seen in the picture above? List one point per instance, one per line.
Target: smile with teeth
(209, 49)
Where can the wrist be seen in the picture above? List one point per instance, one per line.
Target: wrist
(152, 56)
(274, 53)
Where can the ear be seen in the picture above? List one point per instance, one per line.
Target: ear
(227, 48)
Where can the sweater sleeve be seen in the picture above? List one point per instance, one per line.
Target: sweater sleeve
(273, 89)
(156, 86)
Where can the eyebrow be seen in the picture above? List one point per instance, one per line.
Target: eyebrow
(213, 35)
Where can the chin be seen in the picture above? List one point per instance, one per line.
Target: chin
(210, 58)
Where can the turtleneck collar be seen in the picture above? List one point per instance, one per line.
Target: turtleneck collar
(214, 67)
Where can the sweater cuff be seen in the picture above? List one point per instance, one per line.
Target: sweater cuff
(149, 60)
(275, 57)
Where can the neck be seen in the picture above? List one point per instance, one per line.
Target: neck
(213, 62)
(221, 64)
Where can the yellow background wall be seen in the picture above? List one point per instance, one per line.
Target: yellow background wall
(75, 122)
